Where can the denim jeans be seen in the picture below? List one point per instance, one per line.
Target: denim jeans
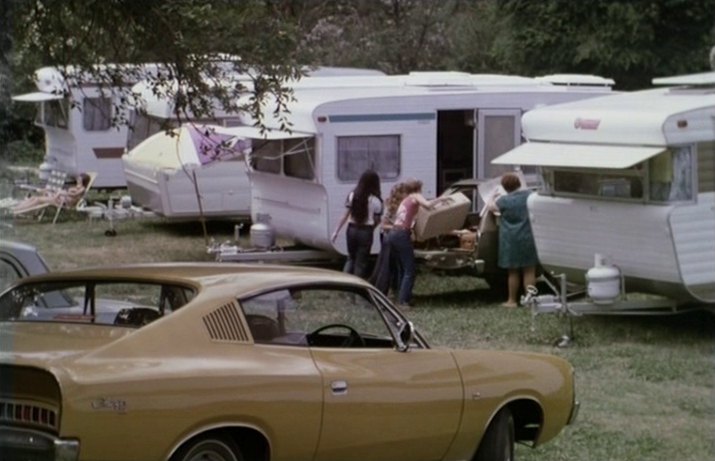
(402, 249)
(359, 239)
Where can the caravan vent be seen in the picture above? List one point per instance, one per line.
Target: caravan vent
(224, 324)
(703, 79)
(576, 80)
(696, 84)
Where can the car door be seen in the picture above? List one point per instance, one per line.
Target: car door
(379, 403)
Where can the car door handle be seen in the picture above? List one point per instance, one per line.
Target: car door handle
(339, 387)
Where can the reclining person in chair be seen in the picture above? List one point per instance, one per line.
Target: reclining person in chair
(63, 197)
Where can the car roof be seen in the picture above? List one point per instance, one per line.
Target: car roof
(27, 259)
(237, 277)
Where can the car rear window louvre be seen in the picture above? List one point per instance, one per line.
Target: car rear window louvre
(224, 324)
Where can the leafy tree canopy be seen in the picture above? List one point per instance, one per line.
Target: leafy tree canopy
(201, 52)
(630, 41)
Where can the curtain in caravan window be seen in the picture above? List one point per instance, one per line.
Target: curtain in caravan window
(97, 114)
(359, 153)
(671, 175)
(682, 175)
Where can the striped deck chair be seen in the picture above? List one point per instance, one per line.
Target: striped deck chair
(62, 202)
(55, 182)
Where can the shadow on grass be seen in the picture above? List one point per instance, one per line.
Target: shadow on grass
(467, 298)
(684, 327)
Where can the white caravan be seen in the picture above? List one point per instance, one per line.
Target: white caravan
(167, 188)
(77, 121)
(629, 183)
(433, 126)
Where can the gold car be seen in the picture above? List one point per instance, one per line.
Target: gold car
(228, 362)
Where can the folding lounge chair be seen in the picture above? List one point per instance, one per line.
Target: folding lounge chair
(55, 182)
(65, 202)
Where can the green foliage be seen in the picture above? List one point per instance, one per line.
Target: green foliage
(630, 41)
(21, 153)
(203, 50)
(395, 36)
(203, 46)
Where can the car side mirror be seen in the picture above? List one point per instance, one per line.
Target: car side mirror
(405, 334)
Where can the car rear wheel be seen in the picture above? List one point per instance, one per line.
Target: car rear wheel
(498, 441)
(209, 448)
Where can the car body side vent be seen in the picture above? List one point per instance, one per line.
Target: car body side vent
(224, 324)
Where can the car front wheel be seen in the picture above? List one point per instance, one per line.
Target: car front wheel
(498, 441)
(209, 448)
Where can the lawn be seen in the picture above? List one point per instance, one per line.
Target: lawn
(646, 384)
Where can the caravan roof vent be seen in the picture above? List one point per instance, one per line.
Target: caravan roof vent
(576, 80)
(693, 83)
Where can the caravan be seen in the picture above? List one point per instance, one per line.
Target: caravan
(85, 126)
(628, 188)
(78, 120)
(438, 127)
(218, 189)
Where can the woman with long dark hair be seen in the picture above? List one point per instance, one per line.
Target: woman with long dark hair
(364, 207)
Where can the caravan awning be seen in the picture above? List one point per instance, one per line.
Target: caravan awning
(577, 155)
(38, 96)
(256, 133)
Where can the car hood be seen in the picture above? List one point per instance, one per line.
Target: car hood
(43, 344)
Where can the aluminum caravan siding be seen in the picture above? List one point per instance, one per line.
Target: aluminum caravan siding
(308, 210)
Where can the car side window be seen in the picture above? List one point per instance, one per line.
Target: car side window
(317, 317)
(127, 304)
(8, 274)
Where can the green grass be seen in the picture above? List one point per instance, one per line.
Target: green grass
(646, 384)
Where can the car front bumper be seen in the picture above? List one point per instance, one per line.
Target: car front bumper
(20, 443)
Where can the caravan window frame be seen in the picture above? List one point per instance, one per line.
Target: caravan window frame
(642, 171)
(348, 172)
(97, 113)
(292, 158)
(54, 113)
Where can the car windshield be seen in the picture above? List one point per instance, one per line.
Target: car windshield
(131, 304)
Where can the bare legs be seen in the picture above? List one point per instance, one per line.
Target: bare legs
(528, 274)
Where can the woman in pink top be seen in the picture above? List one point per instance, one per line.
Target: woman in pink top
(400, 237)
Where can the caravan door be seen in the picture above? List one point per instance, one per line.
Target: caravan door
(498, 131)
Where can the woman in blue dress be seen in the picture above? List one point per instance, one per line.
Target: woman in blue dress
(517, 250)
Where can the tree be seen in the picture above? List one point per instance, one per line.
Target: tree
(395, 36)
(199, 48)
(630, 41)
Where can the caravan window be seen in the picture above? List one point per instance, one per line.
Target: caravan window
(359, 153)
(619, 184)
(706, 167)
(667, 177)
(54, 113)
(266, 156)
(97, 114)
(299, 158)
(293, 157)
(141, 126)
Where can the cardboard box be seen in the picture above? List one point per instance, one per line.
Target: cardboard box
(443, 218)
